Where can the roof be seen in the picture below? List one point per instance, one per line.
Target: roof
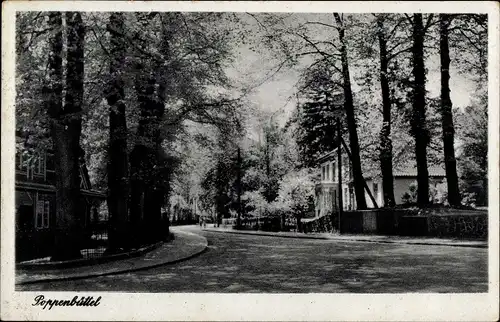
(406, 170)
(411, 171)
(327, 156)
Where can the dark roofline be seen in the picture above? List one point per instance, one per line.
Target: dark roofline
(52, 188)
(414, 175)
(326, 156)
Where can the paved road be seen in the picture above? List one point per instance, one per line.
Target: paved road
(243, 263)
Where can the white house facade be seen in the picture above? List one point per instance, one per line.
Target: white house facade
(327, 189)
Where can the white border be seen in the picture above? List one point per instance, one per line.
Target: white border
(202, 307)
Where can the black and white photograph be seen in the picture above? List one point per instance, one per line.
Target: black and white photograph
(166, 149)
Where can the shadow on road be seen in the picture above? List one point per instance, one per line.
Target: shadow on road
(241, 263)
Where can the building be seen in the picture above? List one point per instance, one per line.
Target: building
(328, 187)
(35, 195)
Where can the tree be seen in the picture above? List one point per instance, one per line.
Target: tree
(281, 35)
(472, 133)
(175, 69)
(418, 118)
(350, 118)
(238, 187)
(271, 140)
(469, 38)
(219, 181)
(66, 129)
(446, 113)
(118, 167)
(317, 112)
(296, 194)
(385, 132)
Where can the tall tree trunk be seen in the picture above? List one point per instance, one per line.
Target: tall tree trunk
(238, 189)
(148, 163)
(385, 132)
(66, 126)
(267, 160)
(118, 173)
(161, 185)
(446, 114)
(145, 160)
(351, 120)
(142, 159)
(137, 194)
(418, 121)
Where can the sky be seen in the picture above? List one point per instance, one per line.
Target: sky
(277, 94)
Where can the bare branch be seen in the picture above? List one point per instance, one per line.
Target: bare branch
(473, 43)
(321, 24)
(404, 41)
(316, 52)
(331, 44)
(394, 55)
(258, 21)
(430, 22)
(391, 33)
(314, 45)
(410, 20)
(100, 42)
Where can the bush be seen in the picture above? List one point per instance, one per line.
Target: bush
(439, 193)
(469, 199)
(296, 194)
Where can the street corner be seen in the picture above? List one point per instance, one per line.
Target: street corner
(183, 246)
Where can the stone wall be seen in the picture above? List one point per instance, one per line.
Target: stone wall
(432, 222)
(473, 226)
(323, 224)
(435, 222)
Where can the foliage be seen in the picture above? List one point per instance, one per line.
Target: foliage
(182, 105)
(438, 193)
(296, 194)
(472, 155)
(317, 113)
(410, 197)
(256, 204)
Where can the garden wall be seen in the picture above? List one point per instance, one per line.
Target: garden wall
(435, 222)
(474, 226)
(324, 224)
(373, 221)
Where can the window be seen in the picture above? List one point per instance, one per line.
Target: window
(31, 165)
(375, 189)
(49, 162)
(23, 162)
(42, 214)
(327, 172)
(351, 199)
(39, 165)
(46, 213)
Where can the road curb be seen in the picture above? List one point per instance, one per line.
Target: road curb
(90, 261)
(349, 240)
(203, 248)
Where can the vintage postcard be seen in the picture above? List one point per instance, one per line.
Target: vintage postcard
(284, 161)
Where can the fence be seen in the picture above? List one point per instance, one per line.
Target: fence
(265, 223)
(95, 239)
